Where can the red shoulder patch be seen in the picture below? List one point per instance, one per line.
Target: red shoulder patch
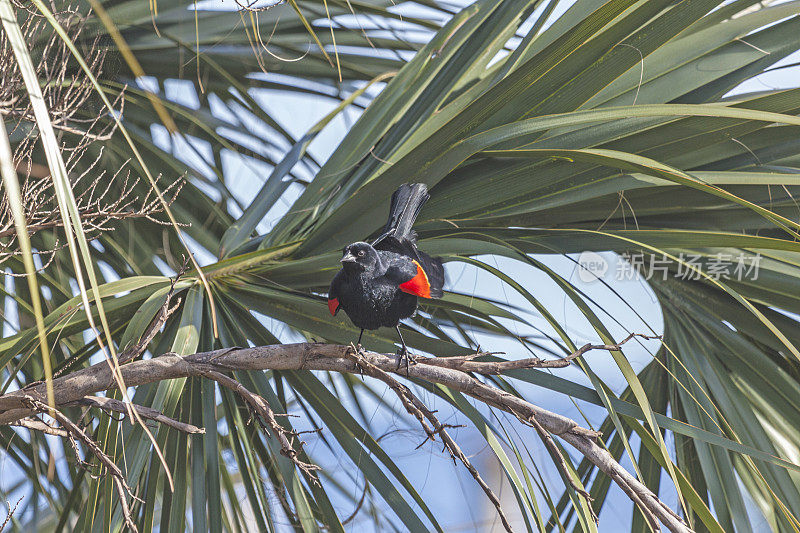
(418, 285)
(333, 305)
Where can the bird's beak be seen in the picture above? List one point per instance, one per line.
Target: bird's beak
(348, 258)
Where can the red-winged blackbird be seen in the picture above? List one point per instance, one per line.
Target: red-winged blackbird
(379, 283)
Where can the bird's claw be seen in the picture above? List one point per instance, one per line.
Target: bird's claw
(404, 356)
(359, 351)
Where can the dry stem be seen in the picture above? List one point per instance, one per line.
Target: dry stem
(120, 484)
(420, 411)
(266, 417)
(117, 406)
(10, 514)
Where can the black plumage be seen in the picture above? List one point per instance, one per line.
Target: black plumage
(379, 283)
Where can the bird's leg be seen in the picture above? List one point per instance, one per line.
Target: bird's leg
(358, 344)
(403, 354)
(359, 351)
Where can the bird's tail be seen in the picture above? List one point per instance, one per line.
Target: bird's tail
(407, 202)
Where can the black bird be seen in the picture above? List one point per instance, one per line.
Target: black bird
(379, 283)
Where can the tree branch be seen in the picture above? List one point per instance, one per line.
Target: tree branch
(420, 411)
(43, 427)
(10, 514)
(328, 357)
(266, 417)
(110, 404)
(467, 363)
(121, 485)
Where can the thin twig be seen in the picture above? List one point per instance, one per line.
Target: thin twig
(123, 490)
(137, 349)
(420, 411)
(158, 321)
(466, 363)
(40, 426)
(561, 463)
(266, 417)
(10, 514)
(110, 404)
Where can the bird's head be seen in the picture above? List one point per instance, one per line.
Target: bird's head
(359, 256)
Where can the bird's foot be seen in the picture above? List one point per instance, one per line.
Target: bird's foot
(359, 351)
(405, 357)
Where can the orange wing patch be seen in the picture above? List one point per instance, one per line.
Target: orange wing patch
(333, 305)
(418, 285)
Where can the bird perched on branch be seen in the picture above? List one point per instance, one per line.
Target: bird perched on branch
(379, 283)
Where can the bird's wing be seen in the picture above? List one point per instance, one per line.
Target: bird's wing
(417, 272)
(423, 277)
(390, 243)
(434, 271)
(333, 301)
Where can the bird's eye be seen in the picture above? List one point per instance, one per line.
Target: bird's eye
(361, 253)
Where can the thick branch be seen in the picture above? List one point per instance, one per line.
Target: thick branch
(307, 356)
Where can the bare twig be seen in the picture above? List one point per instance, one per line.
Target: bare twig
(90, 218)
(266, 417)
(466, 363)
(43, 427)
(251, 6)
(10, 514)
(123, 490)
(420, 411)
(117, 406)
(561, 463)
(34, 424)
(138, 348)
